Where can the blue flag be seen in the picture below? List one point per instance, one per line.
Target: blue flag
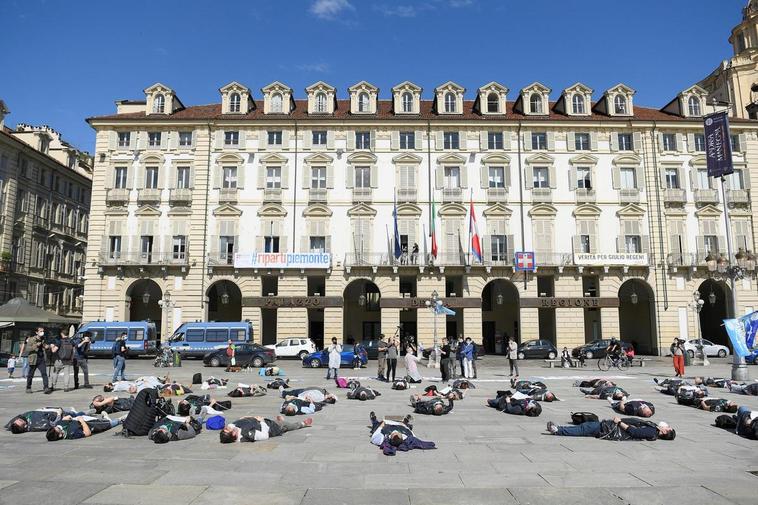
(441, 309)
(398, 250)
(741, 331)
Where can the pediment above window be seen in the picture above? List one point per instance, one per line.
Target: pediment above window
(496, 159)
(575, 100)
(540, 159)
(583, 159)
(317, 210)
(406, 98)
(363, 98)
(542, 210)
(318, 158)
(498, 211)
(631, 210)
(160, 99)
(491, 99)
(116, 211)
(361, 210)
(235, 99)
(227, 210)
(587, 210)
(449, 98)
(321, 98)
(534, 100)
(273, 159)
(361, 157)
(447, 159)
(699, 161)
(148, 211)
(708, 211)
(277, 98)
(270, 210)
(230, 158)
(407, 159)
(453, 210)
(408, 210)
(627, 159)
(617, 101)
(151, 158)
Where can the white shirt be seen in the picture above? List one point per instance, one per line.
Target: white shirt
(378, 437)
(313, 394)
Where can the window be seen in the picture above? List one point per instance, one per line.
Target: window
(216, 334)
(195, 335)
(179, 247)
(185, 139)
(577, 103)
(693, 105)
(226, 248)
(451, 140)
(669, 141)
(699, 142)
(114, 246)
(407, 140)
(539, 141)
(583, 178)
(407, 100)
(362, 177)
(735, 143)
(275, 138)
(584, 244)
(234, 102)
(452, 177)
(124, 139)
(363, 140)
(154, 139)
(321, 102)
(317, 244)
(672, 178)
(120, 177)
(271, 244)
(582, 141)
(318, 178)
(703, 181)
(319, 137)
(619, 104)
(535, 103)
(496, 177)
(626, 142)
(494, 140)
(711, 243)
(363, 103)
(146, 247)
(182, 177)
(276, 103)
(231, 138)
(633, 243)
(736, 179)
(151, 177)
(273, 177)
(159, 104)
(230, 177)
(628, 178)
(449, 102)
(498, 248)
(493, 103)
(540, 177)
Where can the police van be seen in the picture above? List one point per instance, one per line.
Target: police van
(197, 338)
(141, 337)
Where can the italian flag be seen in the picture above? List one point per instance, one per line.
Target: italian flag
(432, 229)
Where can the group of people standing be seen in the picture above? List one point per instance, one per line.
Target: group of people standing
(460, 353)
(53, 355)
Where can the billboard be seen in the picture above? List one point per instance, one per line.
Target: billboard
(277, 260)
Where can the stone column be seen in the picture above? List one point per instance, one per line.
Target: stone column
(609, 319)
(390, 321)
(332, 324)
(472, 323)
(529, 327)
(254, 315)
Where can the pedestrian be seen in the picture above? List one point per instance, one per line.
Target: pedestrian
(446, 354)
(33, 349)
(391, 359)
(381, 357)
(513, 356)
(460, 358)
(452, 366)
(414, 254)
(81, 348)
(24, 365)
(335, 359)
(467, 353)
(119, 351)
(65, 360)
(677, 351)
(11, 366)
(473, 360)
(231, 353)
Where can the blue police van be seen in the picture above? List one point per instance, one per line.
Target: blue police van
(141, 337)
(197, 338)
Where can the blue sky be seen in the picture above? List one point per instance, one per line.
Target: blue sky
(70, 60)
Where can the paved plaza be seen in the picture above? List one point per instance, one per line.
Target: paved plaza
(483, 456)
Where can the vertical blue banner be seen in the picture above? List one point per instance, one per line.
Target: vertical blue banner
(718, 145)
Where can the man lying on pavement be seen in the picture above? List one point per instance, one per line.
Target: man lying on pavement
(515, 403)
(463, 384)
(111, 404)
(278, 383)
(311, 393)
(174, 428)
(743, 389)
(297, 406)
(539, 393)
(616, 429)
(430, 405)
(448, 392)
(135, 386)
(527, 384)
(604, 392)
(362, 393)
(243, 390)
(639, 408)
(393, 436)
(38, 420)
(254, 429)
(72, 428)
(714, 405)
(593, 383)
(193, 404)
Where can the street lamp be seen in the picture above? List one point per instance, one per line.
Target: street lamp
(712, 298)
(634, 297)
(433, 303)
(145, 297)
(697, 306)
(499, 299)
(362, 300)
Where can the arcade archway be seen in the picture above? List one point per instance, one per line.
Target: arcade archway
(143, 296)
(361, 314)
(717, 307)
(224, 301)
(637, 316)
(500, 314)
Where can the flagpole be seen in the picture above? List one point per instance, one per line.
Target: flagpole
(389, 243)
(470, 224)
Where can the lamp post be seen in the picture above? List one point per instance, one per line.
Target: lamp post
(433, 303)
(165, 303)
(697, 305)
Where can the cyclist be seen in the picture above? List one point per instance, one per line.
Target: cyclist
(614, 350)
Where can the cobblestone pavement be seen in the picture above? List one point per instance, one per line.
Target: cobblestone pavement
(483, 457)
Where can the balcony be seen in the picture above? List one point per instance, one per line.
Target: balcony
(629, 196)
(227, 195)
(452, 195)
(143, 258)
(362, 195)
(407, 195)
(220, 258)
(117, 196)
(682, 260)
(585, 195)
(552, 259)
(180, 196)
(675, 196)
(317, 195)
(41, 221)
(367, 259)
(706, 196)
(497, 195)
(542, 195)
(149, 195)
(738, 197)
(272, 195)
(450, 259)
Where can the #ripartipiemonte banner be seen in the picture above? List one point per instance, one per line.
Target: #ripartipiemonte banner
(718, 145)
(742, 332)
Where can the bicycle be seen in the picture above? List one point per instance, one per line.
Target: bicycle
(605, 364)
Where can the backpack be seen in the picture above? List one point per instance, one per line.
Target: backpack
(66, 351)
(197, 378)
(583, 417)
(341, 382)
(726, 422)
(143, 414)
(229, 352)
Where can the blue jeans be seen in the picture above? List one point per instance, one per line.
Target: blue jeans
(743, 414)
(119, 365)
(588, 429)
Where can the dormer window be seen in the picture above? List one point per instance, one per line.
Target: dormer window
(493, 103)
(577, 104)
(276, 103)
(363, 102)
(535, 103)
(449, 102)
(407, 102)
(234, 102)
(321, 102)
(159, 104)
(619, 104)
(693, 104)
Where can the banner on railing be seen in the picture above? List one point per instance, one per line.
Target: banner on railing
(622, 259)
(283, 260)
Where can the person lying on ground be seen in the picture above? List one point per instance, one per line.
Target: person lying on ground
(254, 429)
(175, 428)
(616, 429)
(243, 390)
(193, 404)
(516, 404)
(74, 427)
(447, 392)
(430, 405)
(539, 394)
(310, 393)
(716, 382)
(173, 389)
(269, 371)
(135, 386)
(604, 392)
(690, 395)
(716, 405)
(362, 393)
(393, 436)
(463, 384)
(672, 386)
(593, 383)
(639, 408)
(278, 383)
(744, 424)
(743, 389)
(38, 420)
(111, 404)
(399, 384)
(297, 406)
(526, 384)
(214, 383)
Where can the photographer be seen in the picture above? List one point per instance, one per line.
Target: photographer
(81, 348)
(33, 349)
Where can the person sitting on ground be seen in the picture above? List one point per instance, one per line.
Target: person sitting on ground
(310, 393)
(447, 392)
(393, 436)
(278, 383)
(243, 390)
(434, 405)
(295, 406)
(743, 389)
(616, 429)
(515, 403)
(193, 404)
(38, 420)
(463, 384)
(74, 427)
(255, 429)
(593, 383)
(399, 384)
(605, 392)
(175, 428)
(639, 408)
(362, 393)
(716, 405)
(111, 404)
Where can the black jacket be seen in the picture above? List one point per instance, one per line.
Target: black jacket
(427, 406)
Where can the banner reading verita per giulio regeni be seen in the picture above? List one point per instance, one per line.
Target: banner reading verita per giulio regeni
(718, 147)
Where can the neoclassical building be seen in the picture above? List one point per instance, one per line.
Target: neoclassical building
(282, 210)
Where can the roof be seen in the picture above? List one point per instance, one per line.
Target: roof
(18, 310)
(9, 134)
(384, 112)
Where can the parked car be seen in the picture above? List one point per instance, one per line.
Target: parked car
(596, 348)
(293, 348)
(711, 349)
(372, 348)
(246, 354)
(537, 349)
(196, 339)
(141, 337)
(321, 358)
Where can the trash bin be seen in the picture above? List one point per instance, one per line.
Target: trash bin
(687, 359)
(177, 358)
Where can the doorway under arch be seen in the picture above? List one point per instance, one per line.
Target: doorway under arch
(717, 307)
(224, 301)
(500, 314)
(637, 316)
(143, 305)
(361, 314)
